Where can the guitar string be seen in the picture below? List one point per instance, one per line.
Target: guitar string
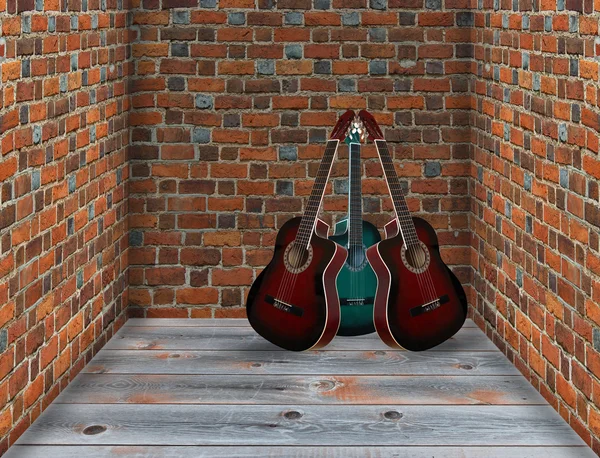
(414, 240)
(351, 221)
(407, 219)
(410, 238)
(425, 286)
(283, 291)
(358, 246)
(355, 223)
(287, 285)
(359, 224)
(354, 219)
(394, 188)
(325, 166)
(427, 276)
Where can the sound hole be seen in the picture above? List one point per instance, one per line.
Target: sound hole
(297, 256)
(415, 256)
(356, 256)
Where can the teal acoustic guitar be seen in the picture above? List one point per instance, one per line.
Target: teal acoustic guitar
(356, 282)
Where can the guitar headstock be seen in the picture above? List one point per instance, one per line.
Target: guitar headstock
(356, 131)
(342, 126)
(370, 125)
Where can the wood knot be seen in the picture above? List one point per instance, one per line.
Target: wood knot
(94, 429)
(175, 355)
(292, 415)
(256, 364)
(466, 367)
(393, 415)
(322, 386)
(380, 353)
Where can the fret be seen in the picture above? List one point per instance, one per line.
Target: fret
(355, 197)
(405, 221)
(307, 224)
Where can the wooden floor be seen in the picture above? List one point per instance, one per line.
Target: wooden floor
(197, 388)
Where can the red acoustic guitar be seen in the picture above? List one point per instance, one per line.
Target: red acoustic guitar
(419, 302)
(294, 302)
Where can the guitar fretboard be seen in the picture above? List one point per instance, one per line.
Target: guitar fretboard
(307, 224)
(407, 227)
(355, 198)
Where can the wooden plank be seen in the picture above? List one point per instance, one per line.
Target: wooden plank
(315, 362)
(241, 338)
(110, 451)
(210, 322)
(356, 425)
(187, 322)
(297, 389)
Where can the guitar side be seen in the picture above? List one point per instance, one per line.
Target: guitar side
(315, 319)
(397, 298)
(294, 303)
(357, 318)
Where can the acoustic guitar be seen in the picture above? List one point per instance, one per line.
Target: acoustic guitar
(294, 302)
(356, 282)
(419, 302)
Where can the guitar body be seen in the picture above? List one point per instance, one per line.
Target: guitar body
(356, 281)
(308, 315)
(400, 318)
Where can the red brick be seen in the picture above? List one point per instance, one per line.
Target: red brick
(211, 210)
(200, 256)
(231, 277)
(165, 276)
(236, 67)
(321, 18)
(197, 296)
(260, 120)
(221, 238)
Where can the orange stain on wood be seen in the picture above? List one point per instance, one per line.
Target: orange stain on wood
(488, 396)
(148, 346)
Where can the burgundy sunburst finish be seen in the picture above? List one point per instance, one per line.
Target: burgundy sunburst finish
(314, 291)
(415, 308)
(294, 302)
(397, 294)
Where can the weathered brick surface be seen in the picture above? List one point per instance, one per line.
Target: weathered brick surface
(63, 200)
(232, 105)
(148, 160)
(534, 213)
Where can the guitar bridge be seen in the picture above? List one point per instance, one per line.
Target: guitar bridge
(357, 301)
(284, 306)
(353, 302)
(429, 306)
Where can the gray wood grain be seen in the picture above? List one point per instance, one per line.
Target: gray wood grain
(243, 338)
(187, 322)
(316, 362)
(210, 322)
(212, 388)
(297, 389)
(354, 425)
(140, 451)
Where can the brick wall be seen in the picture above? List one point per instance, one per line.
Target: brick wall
(536, 217)
(231, 106)
(63, 138)
(491, 109)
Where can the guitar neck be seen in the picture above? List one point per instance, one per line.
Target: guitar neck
(355, 198)
(405, 222)
(307, 224)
